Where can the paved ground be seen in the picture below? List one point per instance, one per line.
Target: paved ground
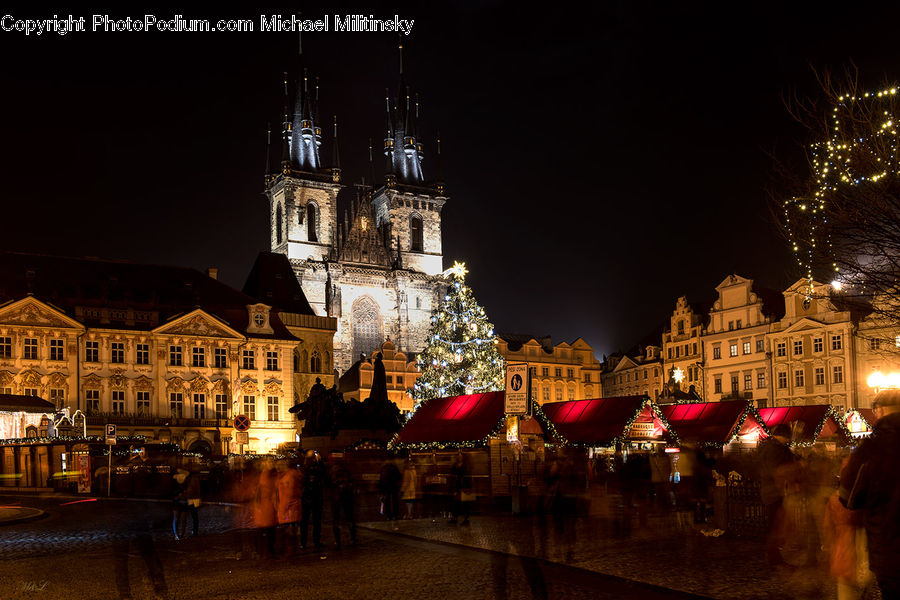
(122, 549)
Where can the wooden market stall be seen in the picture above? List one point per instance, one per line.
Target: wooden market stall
(730, 424)
(605, 422)
(812, 424)
(497, 457)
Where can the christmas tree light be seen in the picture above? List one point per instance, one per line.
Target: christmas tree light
(461, 356)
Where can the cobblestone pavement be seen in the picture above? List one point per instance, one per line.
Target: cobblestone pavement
(120, 549)
(661, 553)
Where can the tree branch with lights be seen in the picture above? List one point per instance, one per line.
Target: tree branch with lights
(460, 356)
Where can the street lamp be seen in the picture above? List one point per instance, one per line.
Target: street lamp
(879, 381)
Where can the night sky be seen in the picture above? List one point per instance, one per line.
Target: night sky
(600, 161)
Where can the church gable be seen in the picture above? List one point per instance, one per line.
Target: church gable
(361, 240)
(31, 311)
(198, 323)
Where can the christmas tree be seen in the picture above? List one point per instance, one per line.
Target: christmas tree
(460, 355)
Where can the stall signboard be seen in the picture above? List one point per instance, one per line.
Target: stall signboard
(516, 397)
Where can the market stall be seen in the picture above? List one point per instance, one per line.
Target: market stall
(730, 424)
(813, 424)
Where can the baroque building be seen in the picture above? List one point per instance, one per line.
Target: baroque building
(371, 256)
(682, 346)
(638, 373)
(168, 353)
(558, 372)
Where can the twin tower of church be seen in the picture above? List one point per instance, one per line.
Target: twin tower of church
(369, 255)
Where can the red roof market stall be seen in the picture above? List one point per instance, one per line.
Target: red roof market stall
(604, 422)
(859, 421)
(715, 423)
(476, 425)
(809, 424)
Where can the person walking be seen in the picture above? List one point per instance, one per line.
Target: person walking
(289, 493)
(179, 502)
(265, 515)
(409, 488)
(871, 482)
(461, 504)
(315, 480)
(342, 503)
(389, 488)
(192, 493)
(779, 469)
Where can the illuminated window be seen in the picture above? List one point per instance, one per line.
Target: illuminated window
(273, 408)
(415, 234)
(250, 407)
(748, 381)
(57, 350)
(733, 350)
(747, 347)
(897, 341)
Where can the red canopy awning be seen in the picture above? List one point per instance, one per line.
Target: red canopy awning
(453, 420)
(712, 422)
(601, 421)
(815, 422)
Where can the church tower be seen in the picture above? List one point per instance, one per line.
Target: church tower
(375, 262)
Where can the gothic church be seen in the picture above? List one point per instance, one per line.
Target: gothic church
(375, 261)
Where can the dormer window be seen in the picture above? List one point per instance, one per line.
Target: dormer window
(259, 319)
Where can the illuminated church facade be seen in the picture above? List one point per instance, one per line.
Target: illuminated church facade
(369, 255)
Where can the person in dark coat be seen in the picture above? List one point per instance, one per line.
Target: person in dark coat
(342, 503)
(389, 488)
(871, 482)
(315, 480)
(778, 469)
(458, 484)
(192, 494)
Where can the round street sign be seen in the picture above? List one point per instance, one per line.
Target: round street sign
(241, 423)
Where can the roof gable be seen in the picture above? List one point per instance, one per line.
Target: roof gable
(31, 311)
(198, 323)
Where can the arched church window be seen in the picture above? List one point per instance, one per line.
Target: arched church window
(366, 326)
(304, 358)
(415, 233)
(315, 362)
(278, 224)
(312, 222)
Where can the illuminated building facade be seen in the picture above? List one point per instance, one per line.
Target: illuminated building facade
(369, 257)
(558, 372)
(637, 373)
(682, 346)
(401, 374)
(165, 352)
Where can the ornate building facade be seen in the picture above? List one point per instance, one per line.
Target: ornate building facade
(164, 352)
(369, 257)
(634, 374)
(682, 347)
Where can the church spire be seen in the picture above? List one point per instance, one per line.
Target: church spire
(286, 132)
(306, 133)
(402, 149)
(336, 157)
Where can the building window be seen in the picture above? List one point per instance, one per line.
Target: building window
(5, 347)
(737, 324)
(798, 347)
(587, 377)
(278, 224)
(249, 359)
(836, 342)
(570, 373)
(761, 380)
(199, 406)
(897, 341)
(748, 381)
(781, 349)
(273, 408)
(717, 352)
(143, 403)
(733, 350)
(56, 350)
(415, 234)
(557, 372)
(32, 392)
(874, 344)
(670, 353)
(747, 348)
(818, 344)
(315, 362)
(730, 325)
(142, 354)
(694, 348)
(734, 384)
(838, 373)
(250, 407)
(176, 405)
(58, 397)
(677, 351)
(92, 401)
(312, 222)
(175, 356)
(198, 356)
(389, 378)
(760, 345)
(782, 380)
(31, 348)
(399, 379)
(221, 406)
(717, 385)
(546, 394)
(559, 393)
(220, 358)
(798, 378)
(118, 402)
(272, 361)
(117, 353)
(545, 371)
(820, 375)
(571, 393)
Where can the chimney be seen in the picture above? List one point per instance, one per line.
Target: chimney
(212, 273)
